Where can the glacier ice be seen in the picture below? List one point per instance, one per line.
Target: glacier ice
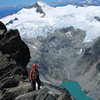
(31, 24)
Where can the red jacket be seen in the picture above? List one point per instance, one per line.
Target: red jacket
(33, 74)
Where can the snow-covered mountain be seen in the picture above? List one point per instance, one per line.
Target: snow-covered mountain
(61, 53)
(31, 23)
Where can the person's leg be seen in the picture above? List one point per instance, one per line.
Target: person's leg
(38, 82)
(33, 85)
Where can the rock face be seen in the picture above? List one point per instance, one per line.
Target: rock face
(38, 9)
(22, 92)
(97, 18)
(58, 51)
(14, 56)
(12, 21)
(12, 45)
(88, 66)
(3, 27)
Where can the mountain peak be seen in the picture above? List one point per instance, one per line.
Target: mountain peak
(38, 8)
(35, 5)
(42, 4)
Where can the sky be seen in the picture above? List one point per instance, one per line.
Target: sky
(6, 3)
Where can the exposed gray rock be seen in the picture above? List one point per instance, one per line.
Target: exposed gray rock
(12, 93)
(58, 51)
(89, 66)
(97, 18)
(14, 57)
(65, 96)
(42, 94)
(3, 30)
(38, 9)
(63, 55)
(98, 66)
(12, 44)
(8, 82)
(51, 97)
(28, 96)
(3, 27)
(12, 21)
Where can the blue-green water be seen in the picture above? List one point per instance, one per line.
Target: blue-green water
(75, 90)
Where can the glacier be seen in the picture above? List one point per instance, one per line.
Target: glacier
(31, 24)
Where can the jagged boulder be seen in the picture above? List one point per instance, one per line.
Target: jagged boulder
(12, 44)
(65, 96)
(12, 93)
(44, 94)
(3, 27)
(3, 30)
(9, 82)
(14, 57)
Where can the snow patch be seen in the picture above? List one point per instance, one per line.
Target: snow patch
(31, 25)
(80, 52)
(68, 34)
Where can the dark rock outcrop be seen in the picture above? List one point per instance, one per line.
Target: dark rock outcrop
(3, 30)
(38, 9)
(9, 82)
(12, 21)
(14, 57)
(97, 18)
(12, 44)
(12, 93)
(22, 92)
(3, 27)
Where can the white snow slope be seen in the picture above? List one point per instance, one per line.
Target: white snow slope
(31, 24)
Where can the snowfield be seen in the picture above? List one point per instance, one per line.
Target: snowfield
(31, 24)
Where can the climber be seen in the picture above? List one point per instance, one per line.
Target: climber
(34, 77)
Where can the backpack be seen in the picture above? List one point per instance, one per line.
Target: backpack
(33, 74)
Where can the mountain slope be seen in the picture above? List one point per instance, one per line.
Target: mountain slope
(61, 43)
(62, 55)
(30, 23)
